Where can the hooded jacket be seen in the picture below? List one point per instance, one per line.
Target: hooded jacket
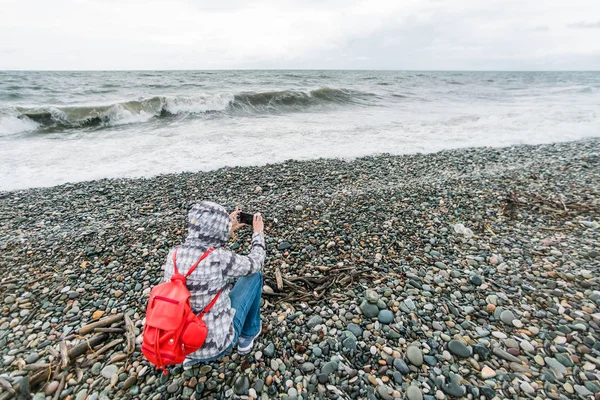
(209, 226)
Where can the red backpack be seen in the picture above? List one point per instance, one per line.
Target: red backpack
(172, 330)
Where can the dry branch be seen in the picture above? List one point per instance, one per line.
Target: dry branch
(129, 334)
(103, 322)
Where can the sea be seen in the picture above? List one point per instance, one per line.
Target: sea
(59, 127)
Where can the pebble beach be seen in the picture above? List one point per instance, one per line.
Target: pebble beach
(469, 273)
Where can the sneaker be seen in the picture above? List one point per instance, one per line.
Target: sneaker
(190, 362)
(245, 344)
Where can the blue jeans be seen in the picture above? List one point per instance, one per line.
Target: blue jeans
(245, 299)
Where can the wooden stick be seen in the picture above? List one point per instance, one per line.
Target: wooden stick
(64, 354)
(129, 334)
(4, 384)
(108, 346)
(35, 367)
(83, 347)
(103, 322)
(109, 330)
(61, 385)
(278, 279)
(274, 294)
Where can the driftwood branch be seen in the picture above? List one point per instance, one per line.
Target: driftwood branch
(64, 354)
(103, 322)
(129, 334)
(45, 370)
(85, 345)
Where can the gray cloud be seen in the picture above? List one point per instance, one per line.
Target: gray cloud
(313, 34)
(585, 25)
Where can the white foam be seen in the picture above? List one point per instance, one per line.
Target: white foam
(199, 104)
(119, 115)
(11, 124)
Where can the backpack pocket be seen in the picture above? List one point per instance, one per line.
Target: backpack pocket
(164, 313)
(194, 334)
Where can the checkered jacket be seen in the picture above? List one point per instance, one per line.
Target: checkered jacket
(209, 226)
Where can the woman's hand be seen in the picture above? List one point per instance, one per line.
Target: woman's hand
(235, 221)
(258, 223)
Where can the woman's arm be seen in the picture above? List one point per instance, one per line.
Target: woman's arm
(237, 265)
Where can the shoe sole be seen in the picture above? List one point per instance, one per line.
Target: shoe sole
(248, 349)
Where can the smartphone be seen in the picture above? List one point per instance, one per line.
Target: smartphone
(246, 218)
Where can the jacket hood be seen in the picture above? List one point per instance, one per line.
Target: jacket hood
(208, 225)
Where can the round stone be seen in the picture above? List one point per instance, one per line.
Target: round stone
(386, 316)
(459, 349)
(372, 296)
(314, 321)
(507, 317)
(369, 310)
(487, 372)
(414, 355)
(241, 385)
(414, 393)
(109, 371)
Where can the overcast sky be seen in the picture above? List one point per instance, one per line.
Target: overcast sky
(313, 34)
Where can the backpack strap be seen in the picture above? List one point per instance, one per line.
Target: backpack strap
(206, 253)
(212, 303)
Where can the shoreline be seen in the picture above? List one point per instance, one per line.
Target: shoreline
(349, 160)
(512, 310)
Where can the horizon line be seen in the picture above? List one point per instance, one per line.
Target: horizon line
(300, 69)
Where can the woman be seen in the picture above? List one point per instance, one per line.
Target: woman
(235, 317)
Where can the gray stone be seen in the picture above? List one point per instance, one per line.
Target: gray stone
(292, 394)
(556, 365)
(384, 392)
(372, 296)
(386, 316)
(369, 310)
(414, 355)
(505, 355)
(81, 395)
(173, 387)
(308, 367)
(414, 393)
(32, 358)
(455, 390)
(459, 349)
(355, 329)
(269, 351)
(284, 246)
(507, 317)
(582, 390)
(564, 360)
(329, 368)
(401, 366)
(109, 371)
(241, 385)
(314, 321)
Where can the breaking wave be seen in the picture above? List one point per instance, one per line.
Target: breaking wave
(21, 119)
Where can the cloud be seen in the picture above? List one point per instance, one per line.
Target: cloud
(585, 25)
(351, 34)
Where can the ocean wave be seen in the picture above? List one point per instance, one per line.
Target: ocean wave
(137, 111)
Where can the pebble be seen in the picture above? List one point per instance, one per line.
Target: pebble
(269, 351)
(414, 355)
(109, 371)
(414, 393)
(459, 349)
(507, 317)
(512, 314)
(241, 385)
(386, 317)
(487, 372)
